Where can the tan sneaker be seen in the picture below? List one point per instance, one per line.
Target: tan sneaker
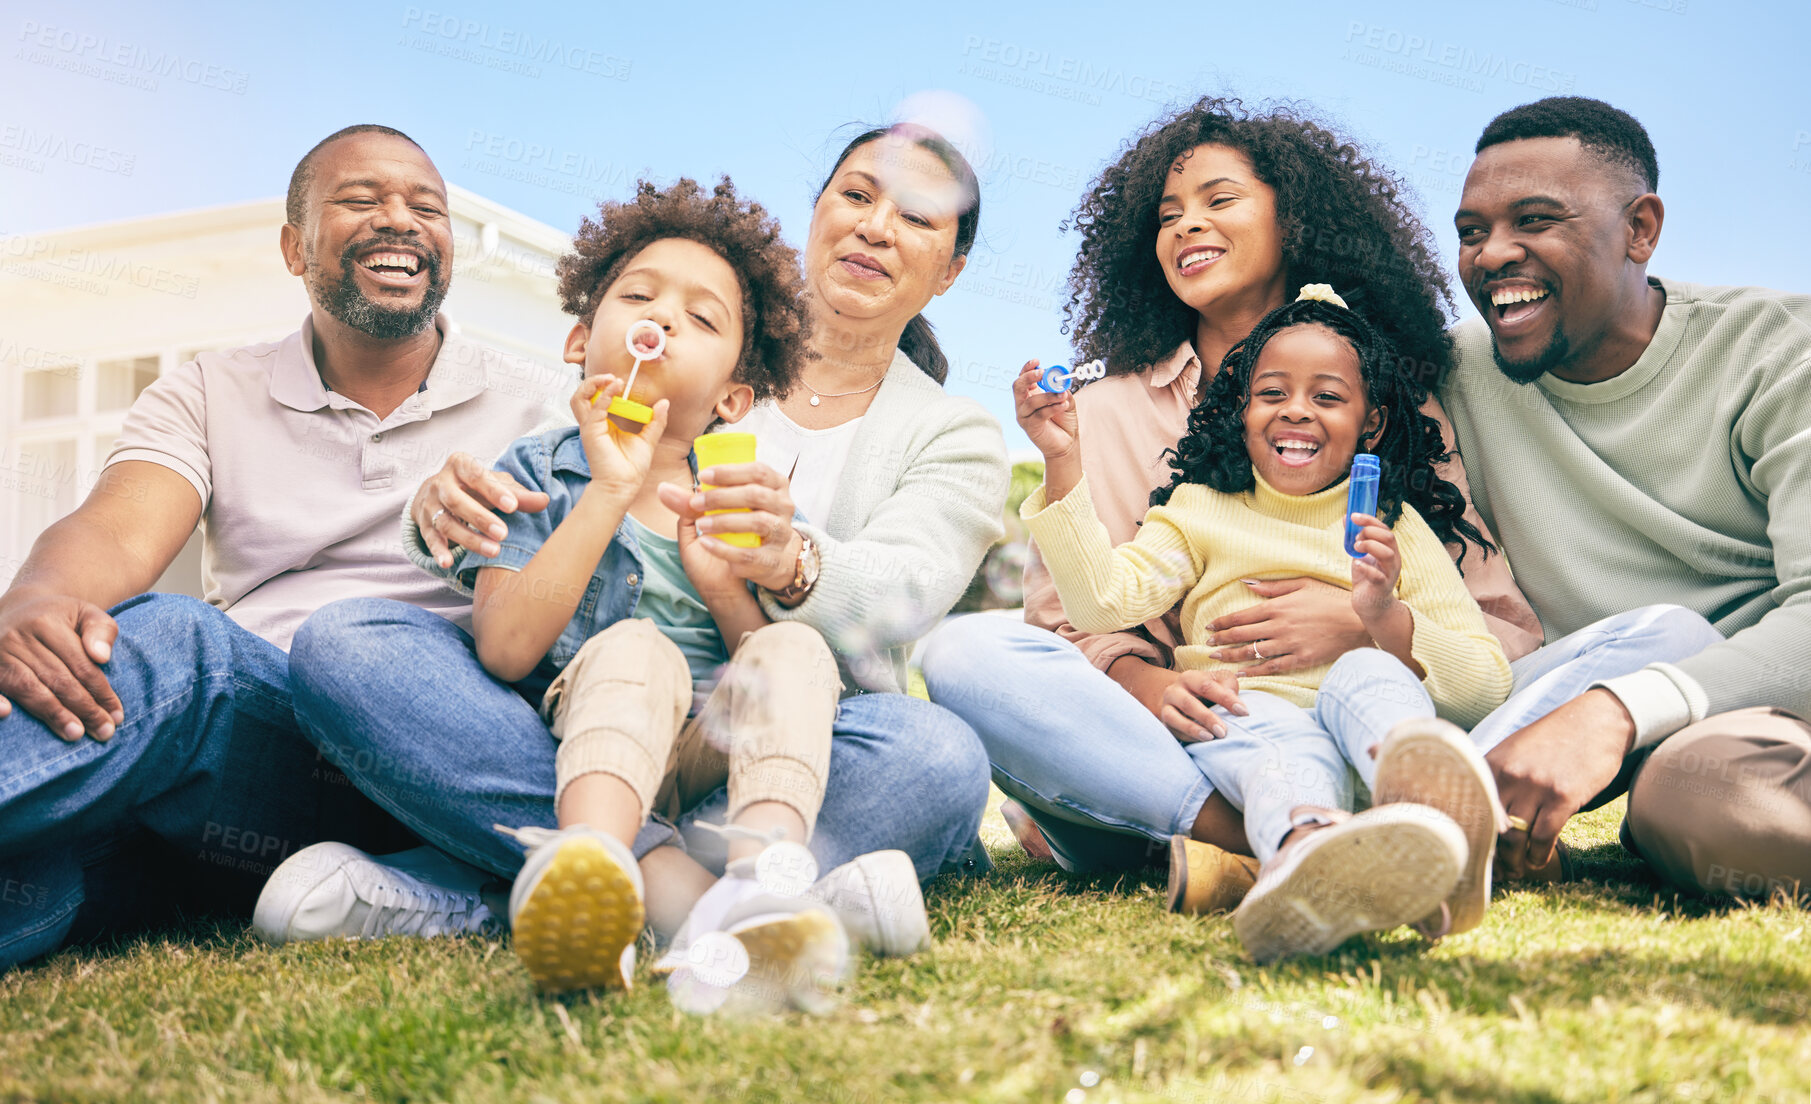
(1428, 761)
(1205, 878)
(1387, 866)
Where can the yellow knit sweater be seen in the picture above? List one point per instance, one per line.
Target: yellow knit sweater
(1204, 542)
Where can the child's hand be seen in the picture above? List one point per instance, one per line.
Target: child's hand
(711, 575)
(1374, 575)
(1188, 704)
(1048, 419)
(619, 457)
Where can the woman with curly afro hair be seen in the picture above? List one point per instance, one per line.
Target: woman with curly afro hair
(1206, 222)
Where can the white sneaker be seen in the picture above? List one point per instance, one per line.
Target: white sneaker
(792, 948)
(334, 889)
(1428, 761)
(1382, 868)
(576, 908)
(878, 899)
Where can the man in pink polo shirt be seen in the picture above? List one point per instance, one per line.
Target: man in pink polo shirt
(151, 755)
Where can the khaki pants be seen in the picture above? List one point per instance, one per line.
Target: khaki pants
(619, 708)
(1725, 805)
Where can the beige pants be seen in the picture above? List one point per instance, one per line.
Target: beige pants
(619, 708)
(1725, 805)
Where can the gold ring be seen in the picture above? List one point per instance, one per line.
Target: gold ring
(1516, 823)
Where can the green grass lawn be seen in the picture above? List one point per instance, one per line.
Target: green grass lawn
(1041, 987)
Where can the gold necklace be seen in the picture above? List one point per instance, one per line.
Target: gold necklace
(816, 395)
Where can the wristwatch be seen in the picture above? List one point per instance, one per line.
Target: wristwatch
(803, 576)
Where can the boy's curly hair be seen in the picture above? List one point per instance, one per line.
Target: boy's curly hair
(1343, 222)
(774, 321)
(1213, 453)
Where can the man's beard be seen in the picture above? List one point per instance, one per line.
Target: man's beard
(1558, 349)
(346, 301)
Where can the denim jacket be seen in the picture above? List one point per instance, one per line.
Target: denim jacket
(555, 462)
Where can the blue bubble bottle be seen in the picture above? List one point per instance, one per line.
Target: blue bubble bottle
(1361, 497)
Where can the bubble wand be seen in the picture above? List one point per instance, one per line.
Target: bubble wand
(646, 341)
(1055, 379)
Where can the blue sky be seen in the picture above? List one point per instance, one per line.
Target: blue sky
(548, 108)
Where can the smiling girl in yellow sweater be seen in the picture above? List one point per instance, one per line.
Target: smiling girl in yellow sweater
(1260, 490)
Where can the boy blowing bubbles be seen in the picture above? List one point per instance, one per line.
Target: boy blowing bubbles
(663, 678)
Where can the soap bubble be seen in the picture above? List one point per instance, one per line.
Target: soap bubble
(786, 868)
(718, 959)
(953, 116)
(713, 966)
(917, 177)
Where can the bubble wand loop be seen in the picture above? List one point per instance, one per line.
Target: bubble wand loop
(1056, 378)
(622, 405)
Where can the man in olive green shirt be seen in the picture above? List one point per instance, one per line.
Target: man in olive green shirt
(1631, 441)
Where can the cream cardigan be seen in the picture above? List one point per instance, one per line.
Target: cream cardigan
(918, 504)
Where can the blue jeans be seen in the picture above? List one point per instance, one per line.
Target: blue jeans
(1108, 783)
(395, 696)
(1102, 776)
(208, 779)
(1282, 756)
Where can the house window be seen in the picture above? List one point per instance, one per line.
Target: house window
(118, 382)
(50, 393)
(43, 484)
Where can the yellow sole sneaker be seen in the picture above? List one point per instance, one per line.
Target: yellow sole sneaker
(793, 959)
(577, 911)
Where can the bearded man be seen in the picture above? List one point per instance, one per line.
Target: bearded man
(149, 757)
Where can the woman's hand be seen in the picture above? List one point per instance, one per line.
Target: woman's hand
(1374, 574)
(1301, 623)
(765, 498)
(619, 457)
(1188, 704)
(710, 575)
(454, 507)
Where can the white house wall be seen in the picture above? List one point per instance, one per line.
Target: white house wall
(168, 285)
